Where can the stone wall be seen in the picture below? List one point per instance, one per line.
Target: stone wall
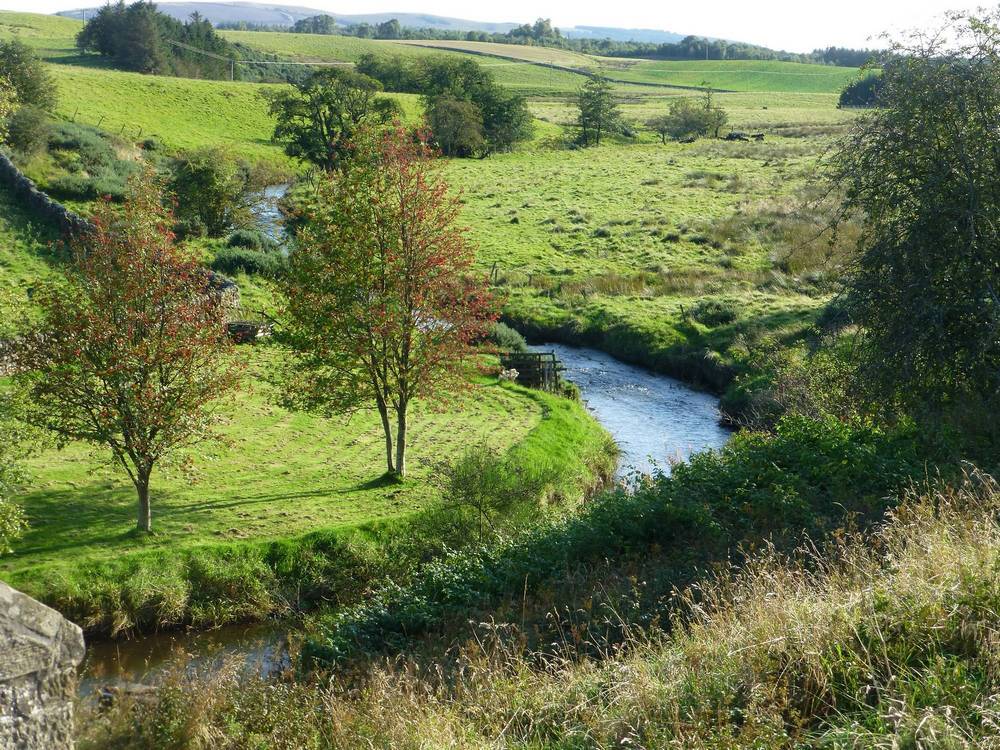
(70, 223)
(40, 204)
(39, 653)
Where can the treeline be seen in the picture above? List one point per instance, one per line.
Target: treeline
(139, 37)
(543, 33)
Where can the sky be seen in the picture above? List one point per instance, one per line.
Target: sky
(794, 25)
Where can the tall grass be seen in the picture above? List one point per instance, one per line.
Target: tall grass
(887, 639)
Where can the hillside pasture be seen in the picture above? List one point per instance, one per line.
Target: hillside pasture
(524, 77)
(738, 75)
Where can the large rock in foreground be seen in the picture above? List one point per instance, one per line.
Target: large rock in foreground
(39, 653)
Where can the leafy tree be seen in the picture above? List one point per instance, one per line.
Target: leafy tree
(131, 352)
(599, 113)
(32, 82)
(457, 126)
(688, 118)
(318, 118)
(506, 119)
(389, 30)
(923, 173)
(213, 190)
(381, 302)
(321, 24)
(863, 92)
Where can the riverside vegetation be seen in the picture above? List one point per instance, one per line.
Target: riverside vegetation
(828, 579)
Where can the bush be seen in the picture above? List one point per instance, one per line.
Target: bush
(28, 131)
(233, 260)
(810, 476)
(213, 187)
(21, 66)
(97, 169)
(484, 494)
(507, 338)
(715, 312)
(688, 118)
(252, 239)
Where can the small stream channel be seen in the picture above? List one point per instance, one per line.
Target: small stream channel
(653, 418)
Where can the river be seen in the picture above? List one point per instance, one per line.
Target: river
(653, 418)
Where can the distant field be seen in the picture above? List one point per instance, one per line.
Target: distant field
(525, 52)
(739, 75)
(181, 112)
(768, 111)
(50, 36)
(524, 77)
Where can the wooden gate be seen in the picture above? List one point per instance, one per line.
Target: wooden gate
(534, 369)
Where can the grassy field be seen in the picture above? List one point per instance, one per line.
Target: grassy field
(526, 77)
(52, 37)
(279, 474)
(740, 75)
(548, 55)
(281, 481)
(616, 246)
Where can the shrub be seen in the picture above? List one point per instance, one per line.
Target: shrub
(251, 239)
(810, 476)
(233, 260)
(214, 187)
(715, 312)
(507, 338)
(28, 131)
(21, 66)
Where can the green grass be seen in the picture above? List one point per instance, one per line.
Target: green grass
(739, 75)
(52, 37)
(181, 112)
(284, 486)
(549, 55)
(24, 253)
(279, 474)
(613, 246)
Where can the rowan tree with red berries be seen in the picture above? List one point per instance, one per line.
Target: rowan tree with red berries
(131, 352)
(383, 305)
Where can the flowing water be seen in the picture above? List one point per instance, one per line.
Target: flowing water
(654, 419)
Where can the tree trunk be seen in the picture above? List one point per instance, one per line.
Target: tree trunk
(387, 429)
(144, 520)
(401, 440)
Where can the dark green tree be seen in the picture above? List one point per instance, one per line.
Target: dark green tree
(923, 172)
(599, 113)
(457, 126)
(317, 118)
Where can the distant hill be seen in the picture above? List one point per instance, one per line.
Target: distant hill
(287, 15)
(622, 35)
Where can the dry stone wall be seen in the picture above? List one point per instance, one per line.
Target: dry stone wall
(39, 653)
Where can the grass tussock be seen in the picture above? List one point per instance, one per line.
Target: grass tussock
(883, 640)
